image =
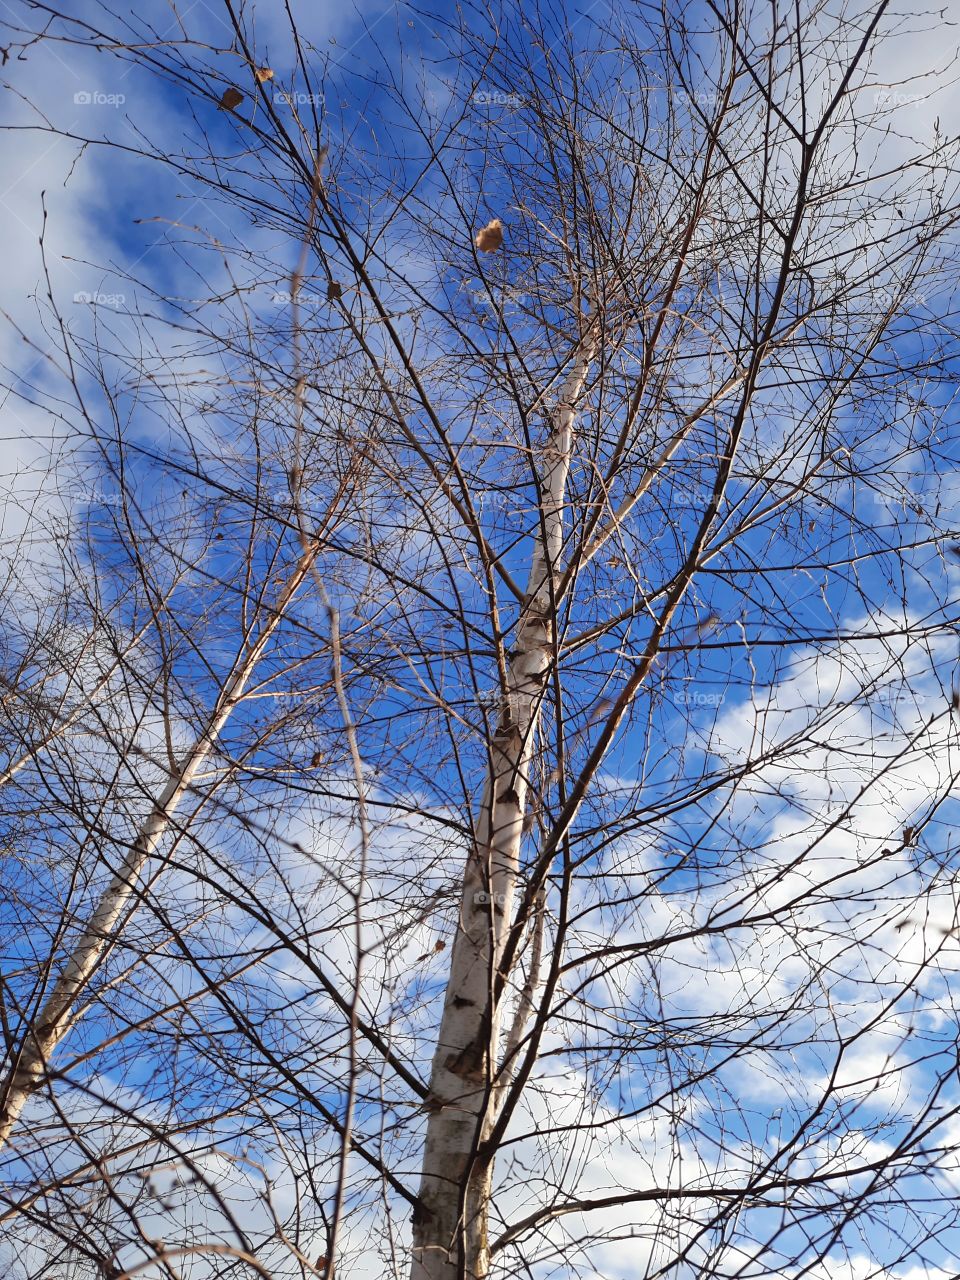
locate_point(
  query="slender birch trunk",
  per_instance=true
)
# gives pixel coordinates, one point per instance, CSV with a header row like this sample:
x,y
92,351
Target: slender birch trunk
x,y
56,1016
450,1232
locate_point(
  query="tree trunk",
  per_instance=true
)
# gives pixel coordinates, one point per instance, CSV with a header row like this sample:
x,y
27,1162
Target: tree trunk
x,y
57,1014
450,1231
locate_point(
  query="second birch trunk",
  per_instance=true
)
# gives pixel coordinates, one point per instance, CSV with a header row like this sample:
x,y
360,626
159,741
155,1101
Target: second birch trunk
x,y
53,1021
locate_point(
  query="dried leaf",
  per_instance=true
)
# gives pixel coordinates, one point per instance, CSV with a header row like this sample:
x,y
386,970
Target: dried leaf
x,y
490,238
439,945
231,98
321,1261
263,74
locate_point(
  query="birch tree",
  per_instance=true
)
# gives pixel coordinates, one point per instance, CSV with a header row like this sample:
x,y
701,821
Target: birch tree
x,y
604,364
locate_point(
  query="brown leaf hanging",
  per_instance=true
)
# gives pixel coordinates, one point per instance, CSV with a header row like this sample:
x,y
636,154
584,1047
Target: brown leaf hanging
x,y
231,98
490,238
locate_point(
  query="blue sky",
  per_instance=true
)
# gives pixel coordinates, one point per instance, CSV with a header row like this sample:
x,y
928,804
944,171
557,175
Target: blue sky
x,y
136,236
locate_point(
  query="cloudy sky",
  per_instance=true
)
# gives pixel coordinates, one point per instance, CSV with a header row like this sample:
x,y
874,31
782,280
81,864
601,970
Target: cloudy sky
x,y
95,234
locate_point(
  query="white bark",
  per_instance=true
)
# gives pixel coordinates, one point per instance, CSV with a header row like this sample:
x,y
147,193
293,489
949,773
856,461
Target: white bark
x,y
58,1011
450,1232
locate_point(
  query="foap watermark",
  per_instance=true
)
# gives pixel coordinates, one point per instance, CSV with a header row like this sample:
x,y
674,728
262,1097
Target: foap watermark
x,y
894,98
896,295
697,698
295,98
695,97
698,499
507,297
513,703
97,98
483,899
284,298
495,98
100,299
899,700
95,497
488,500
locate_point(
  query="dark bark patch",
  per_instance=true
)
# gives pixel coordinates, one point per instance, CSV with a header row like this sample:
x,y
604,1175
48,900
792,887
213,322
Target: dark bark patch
x,y
421,1214
470,1063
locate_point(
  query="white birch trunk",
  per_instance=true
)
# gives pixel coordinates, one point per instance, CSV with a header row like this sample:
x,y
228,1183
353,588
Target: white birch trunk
x,y
450,1234
57,1014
